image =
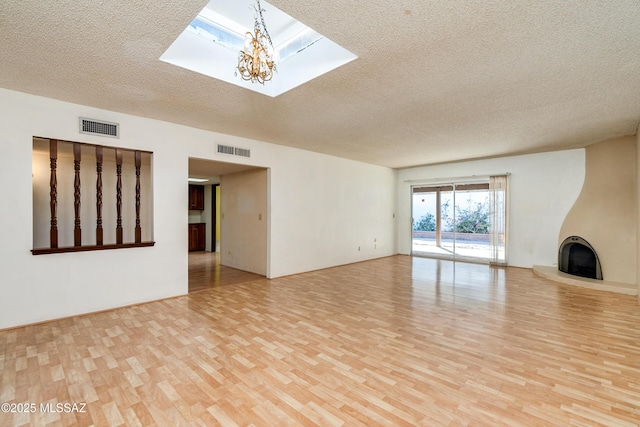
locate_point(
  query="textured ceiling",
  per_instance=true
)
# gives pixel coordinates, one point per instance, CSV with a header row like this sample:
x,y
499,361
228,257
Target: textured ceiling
x,y
434,82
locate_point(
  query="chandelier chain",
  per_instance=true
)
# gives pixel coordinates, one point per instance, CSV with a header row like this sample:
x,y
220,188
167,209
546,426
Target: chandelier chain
x,y
263,24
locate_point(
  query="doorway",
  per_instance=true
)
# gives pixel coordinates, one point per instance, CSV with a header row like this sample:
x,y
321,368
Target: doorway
x,y
230,237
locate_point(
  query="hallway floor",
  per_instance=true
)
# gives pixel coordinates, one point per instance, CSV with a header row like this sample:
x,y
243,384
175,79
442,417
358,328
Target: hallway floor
x,y
206,272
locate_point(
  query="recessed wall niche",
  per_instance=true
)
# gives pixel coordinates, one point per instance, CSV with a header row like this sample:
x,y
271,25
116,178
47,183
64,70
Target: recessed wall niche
x,y
90,197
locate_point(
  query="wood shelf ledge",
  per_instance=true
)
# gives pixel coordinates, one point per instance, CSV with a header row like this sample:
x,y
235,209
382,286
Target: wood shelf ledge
x,y
44,251
552,273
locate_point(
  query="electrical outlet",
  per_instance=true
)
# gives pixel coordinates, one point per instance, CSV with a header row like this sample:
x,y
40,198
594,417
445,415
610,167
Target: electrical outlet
x,y
259,217
358,248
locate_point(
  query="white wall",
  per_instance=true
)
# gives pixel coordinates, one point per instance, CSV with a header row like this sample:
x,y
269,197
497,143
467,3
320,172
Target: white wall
x,y
244,218
638,210
322,209
542,189
332,211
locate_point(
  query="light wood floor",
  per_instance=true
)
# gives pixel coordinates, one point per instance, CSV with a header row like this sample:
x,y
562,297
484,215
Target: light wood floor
x,y
398,341
205,272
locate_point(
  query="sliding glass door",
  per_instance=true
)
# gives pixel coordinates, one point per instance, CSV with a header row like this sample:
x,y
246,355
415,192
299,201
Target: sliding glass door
x,y
465,221
428,220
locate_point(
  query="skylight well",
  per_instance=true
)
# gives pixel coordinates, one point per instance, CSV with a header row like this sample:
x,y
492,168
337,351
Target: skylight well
x,y
216,33
212,42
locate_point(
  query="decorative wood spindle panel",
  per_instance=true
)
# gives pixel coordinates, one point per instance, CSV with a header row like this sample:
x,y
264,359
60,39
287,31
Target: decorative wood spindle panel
x,y
77,230
56,159
138,162
99,229
53,193
119,231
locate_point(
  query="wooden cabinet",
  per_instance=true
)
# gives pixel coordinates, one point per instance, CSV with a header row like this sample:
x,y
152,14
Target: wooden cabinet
x,y
196,197
197,231
197,237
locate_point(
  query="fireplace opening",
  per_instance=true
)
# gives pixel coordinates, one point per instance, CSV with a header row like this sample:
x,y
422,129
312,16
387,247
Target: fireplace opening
x,y
577,257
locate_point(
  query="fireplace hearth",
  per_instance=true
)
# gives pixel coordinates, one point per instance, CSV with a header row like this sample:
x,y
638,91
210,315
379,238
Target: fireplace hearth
x,y
577,257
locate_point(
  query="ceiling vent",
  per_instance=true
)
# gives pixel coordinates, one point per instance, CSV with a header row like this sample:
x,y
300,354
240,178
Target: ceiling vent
x,y
95,127
233,151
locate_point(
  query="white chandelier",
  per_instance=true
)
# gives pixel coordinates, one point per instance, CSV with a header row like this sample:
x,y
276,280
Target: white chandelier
x,y
256,62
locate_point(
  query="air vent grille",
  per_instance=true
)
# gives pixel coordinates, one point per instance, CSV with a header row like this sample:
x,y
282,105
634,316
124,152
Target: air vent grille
x,y
95,127
225,149
242,152
234,151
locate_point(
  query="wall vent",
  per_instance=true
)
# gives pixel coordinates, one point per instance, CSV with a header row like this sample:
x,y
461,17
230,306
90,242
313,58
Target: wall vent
x,y
225,149
234,151
242,152
96,127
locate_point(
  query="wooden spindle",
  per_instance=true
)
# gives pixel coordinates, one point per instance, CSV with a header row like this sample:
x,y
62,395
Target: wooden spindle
x,y
99,230
77,230
119,237
138,161
122,161
53,193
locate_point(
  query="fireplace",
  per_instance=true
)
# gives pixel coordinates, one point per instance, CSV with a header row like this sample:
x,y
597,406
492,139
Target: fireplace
x,y
577,257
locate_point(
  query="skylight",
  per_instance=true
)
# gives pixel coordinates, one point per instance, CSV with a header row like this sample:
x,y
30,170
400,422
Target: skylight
x,y
211,43
216,33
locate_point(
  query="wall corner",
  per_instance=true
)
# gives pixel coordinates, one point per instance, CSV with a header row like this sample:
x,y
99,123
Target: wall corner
x,y
638,210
